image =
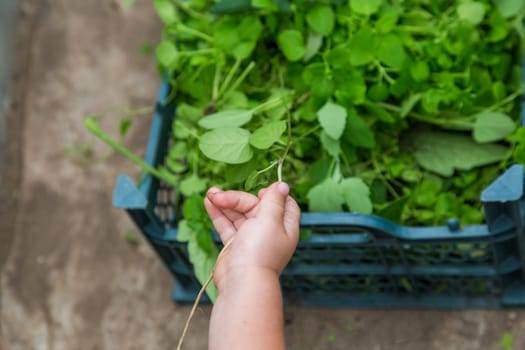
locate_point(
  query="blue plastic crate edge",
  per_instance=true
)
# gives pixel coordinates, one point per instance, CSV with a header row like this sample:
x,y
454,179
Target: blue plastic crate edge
x,y
501,199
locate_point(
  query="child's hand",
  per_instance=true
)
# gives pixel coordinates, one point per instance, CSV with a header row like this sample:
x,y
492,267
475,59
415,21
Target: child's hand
x,y
265,228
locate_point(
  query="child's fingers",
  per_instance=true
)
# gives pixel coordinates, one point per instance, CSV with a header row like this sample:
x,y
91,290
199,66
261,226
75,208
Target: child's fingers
x,y
292,218
222,224
235,217
261,193
273,201
241,202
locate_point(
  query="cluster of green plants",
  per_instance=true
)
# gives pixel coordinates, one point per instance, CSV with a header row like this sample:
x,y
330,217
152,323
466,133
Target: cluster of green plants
x,y
404,109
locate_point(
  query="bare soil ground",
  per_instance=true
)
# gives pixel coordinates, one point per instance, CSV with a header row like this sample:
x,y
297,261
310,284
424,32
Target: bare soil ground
x,y
69,280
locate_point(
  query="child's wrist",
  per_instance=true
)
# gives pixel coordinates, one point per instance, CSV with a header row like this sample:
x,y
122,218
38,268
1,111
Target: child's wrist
x,y
236,277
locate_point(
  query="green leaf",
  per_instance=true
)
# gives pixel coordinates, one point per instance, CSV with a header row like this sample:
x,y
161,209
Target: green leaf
x,y
225,35
312,72
472,12
387,22
313,44
131,236
378,92
390,51
226,119
323,87
444,152
250,180
124,126
167,54
408,104
228,145
192,184
420,71
507,341
362,46
509,8
291,43
339,56
321,18
358,133
379,112
267,135
356,195
492,126
194,210
250,28
265,5
178,151
243,50
235,100
350,87
189,112
166,11
393,211
203,262
176,166
365,7
184,233
332,146
237,39
332,118
237,173
325,197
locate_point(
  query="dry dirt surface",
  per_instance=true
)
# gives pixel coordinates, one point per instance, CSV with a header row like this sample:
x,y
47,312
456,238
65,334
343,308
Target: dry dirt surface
x,y
69,280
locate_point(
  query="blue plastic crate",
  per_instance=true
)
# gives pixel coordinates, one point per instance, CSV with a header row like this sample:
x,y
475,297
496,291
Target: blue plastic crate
x,y
354,260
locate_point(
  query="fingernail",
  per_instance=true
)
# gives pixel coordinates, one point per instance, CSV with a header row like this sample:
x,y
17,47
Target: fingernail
x,y
212,191
283,188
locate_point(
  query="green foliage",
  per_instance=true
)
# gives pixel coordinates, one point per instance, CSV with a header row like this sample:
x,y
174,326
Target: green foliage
x,y
228,145
507,341
291,43
130,236
405,111
492,126
195,231
445,152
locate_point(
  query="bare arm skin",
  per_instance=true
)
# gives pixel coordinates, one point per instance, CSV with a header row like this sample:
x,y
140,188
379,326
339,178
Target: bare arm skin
x,y
248,313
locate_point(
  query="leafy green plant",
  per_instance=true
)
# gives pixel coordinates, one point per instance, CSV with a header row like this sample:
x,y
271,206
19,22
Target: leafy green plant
x,y
402,109
507,341
397,96
130,236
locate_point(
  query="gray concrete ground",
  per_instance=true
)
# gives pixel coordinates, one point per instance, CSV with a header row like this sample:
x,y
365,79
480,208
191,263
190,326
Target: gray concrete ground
x,y
69,280
7,25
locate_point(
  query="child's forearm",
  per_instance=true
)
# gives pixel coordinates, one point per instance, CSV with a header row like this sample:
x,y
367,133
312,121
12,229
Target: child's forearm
x,y
248,313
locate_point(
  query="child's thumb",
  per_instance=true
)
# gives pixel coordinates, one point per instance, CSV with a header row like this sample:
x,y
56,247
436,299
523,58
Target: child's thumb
x,y
274,200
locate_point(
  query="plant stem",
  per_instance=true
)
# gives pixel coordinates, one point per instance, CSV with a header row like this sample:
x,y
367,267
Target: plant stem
x,y
310,131
92,126
198,52
184,6
451,124
229,77
215,91
383,73
188,30
419,30
199,296
271,104
240,79
272,164
506,100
